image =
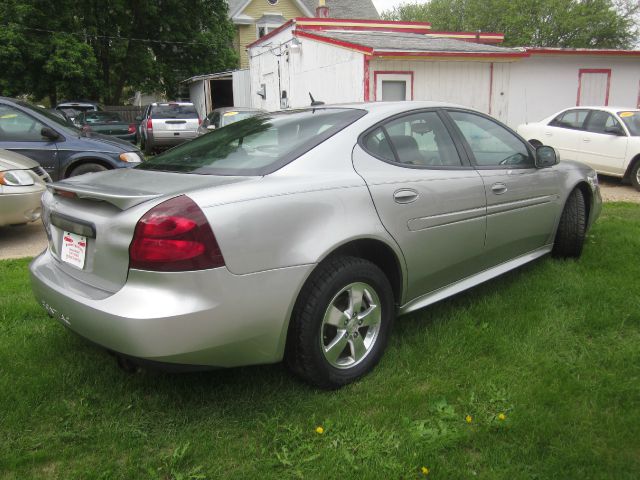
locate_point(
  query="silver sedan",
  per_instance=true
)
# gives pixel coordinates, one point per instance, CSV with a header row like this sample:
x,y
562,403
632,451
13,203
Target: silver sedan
x,y
301,235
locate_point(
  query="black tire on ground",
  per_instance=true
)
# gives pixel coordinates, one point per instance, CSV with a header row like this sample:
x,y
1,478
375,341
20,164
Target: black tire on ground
x,y
535,143
87,168
147,146
635,176
572,227
309,335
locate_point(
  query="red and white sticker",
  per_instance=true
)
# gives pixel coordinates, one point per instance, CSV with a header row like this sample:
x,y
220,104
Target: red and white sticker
x,y
74,248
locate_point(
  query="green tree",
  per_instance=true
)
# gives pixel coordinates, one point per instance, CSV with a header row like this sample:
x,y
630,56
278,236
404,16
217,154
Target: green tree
x,y
537,23
106,49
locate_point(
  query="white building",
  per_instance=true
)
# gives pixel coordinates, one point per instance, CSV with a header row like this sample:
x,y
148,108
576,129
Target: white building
x,y
339,61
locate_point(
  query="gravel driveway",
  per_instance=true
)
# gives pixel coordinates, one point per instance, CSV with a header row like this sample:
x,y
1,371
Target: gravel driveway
x,y
30,240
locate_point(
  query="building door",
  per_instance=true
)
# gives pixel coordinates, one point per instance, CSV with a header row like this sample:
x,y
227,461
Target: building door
x,y
593,86
393,86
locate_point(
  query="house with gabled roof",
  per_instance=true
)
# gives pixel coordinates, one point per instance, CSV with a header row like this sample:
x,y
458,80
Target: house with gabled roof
x,y
256,18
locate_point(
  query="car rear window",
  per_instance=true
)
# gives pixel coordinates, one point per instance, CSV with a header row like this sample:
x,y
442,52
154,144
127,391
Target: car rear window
x,y
173,110
255,146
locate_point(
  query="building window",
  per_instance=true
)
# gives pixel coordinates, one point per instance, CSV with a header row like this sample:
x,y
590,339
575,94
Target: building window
x,y
266,29
393,85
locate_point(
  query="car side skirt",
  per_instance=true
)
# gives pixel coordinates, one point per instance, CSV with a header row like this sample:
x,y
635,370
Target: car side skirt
x,y
472,281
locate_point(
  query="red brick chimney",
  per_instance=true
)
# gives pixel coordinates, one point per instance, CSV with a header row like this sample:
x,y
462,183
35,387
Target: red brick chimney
x,y
322,11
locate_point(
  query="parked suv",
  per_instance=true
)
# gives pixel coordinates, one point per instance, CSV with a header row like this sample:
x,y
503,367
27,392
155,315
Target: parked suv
x,y
60,148
167,125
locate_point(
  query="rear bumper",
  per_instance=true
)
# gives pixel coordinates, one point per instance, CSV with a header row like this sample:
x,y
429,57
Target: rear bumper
x,y
20,208
206,318
171,138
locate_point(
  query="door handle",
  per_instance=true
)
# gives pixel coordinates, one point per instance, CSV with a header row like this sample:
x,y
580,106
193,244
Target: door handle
x,y
498,188
586,140
548,134
406,195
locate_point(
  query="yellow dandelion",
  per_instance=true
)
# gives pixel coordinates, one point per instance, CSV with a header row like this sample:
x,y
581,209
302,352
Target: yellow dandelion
x,y
319,430
502,417
424,470
468,419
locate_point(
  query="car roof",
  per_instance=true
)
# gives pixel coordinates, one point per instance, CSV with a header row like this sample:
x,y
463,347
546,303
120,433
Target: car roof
x,y
237,109
162,104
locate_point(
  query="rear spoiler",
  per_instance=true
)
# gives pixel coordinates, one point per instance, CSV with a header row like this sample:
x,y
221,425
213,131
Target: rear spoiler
x,y
123,198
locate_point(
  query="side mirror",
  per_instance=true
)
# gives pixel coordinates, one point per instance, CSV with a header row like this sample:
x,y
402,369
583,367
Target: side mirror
x,y
614,130
139,118
49,133
211,127
546,156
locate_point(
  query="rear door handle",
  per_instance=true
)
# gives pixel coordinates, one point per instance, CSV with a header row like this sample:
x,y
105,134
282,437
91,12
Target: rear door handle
x,y
405,195
498,188
586,140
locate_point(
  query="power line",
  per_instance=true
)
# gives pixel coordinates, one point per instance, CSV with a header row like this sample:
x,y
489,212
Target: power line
x,y
147,40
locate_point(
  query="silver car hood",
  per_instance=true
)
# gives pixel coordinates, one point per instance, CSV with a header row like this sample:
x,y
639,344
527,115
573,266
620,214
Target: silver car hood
x,y
14,161
125,188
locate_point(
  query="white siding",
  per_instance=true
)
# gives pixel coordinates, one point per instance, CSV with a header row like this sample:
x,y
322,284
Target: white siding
x,y
543,84
463,83
241,88
198,94
331,74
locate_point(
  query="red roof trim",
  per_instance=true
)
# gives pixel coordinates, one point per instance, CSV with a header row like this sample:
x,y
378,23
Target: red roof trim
x,y
339,43
451,54
364,22
368,28
583,51
270,34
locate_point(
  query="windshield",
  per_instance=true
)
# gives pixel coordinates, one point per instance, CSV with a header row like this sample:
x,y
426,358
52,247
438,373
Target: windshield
x,y
173,110
255,146
631,119
102,117
232,117
50,116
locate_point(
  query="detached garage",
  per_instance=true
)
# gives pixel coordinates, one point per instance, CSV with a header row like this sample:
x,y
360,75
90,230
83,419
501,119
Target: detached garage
x,y
337,60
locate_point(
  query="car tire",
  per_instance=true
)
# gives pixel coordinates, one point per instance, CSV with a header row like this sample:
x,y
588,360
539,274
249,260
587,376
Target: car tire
x,y
147,146
87,168
635,176
572,227
324,316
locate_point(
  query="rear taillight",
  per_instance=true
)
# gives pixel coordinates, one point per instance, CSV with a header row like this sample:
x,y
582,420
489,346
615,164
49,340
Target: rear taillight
x,y
149,124
132,128
174,236
199,121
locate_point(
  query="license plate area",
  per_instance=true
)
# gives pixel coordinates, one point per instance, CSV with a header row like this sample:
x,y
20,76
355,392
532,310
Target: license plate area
x,y
73,249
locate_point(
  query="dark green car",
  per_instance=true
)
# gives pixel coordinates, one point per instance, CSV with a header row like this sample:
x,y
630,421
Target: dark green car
x,y
106,123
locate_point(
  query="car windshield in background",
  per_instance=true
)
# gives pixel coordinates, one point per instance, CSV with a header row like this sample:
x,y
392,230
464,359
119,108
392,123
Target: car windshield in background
x,y
173,111
257,145
50,116
631,119
102,117
232,117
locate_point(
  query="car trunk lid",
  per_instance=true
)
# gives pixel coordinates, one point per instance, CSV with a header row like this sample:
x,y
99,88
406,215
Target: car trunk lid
x,y
101,210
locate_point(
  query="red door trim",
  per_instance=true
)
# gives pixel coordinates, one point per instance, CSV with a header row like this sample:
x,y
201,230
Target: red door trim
x,y
392,72
582,71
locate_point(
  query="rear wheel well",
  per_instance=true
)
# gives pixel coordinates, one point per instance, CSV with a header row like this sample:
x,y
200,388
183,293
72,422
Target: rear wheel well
x,y
379,254
84,161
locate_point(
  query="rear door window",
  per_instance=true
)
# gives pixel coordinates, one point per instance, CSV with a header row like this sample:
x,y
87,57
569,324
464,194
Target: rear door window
x,y
572,119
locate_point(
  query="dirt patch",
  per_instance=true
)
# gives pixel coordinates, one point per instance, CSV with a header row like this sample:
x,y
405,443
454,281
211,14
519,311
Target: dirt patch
x,y
613,190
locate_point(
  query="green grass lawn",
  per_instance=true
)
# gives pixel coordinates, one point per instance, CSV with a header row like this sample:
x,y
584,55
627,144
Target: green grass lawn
x,y
554,347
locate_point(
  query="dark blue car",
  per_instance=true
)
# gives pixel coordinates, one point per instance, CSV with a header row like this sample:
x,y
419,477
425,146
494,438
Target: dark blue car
x,y
62,149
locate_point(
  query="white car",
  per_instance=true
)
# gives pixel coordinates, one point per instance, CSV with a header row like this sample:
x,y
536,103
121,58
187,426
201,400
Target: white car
x,y
605,138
